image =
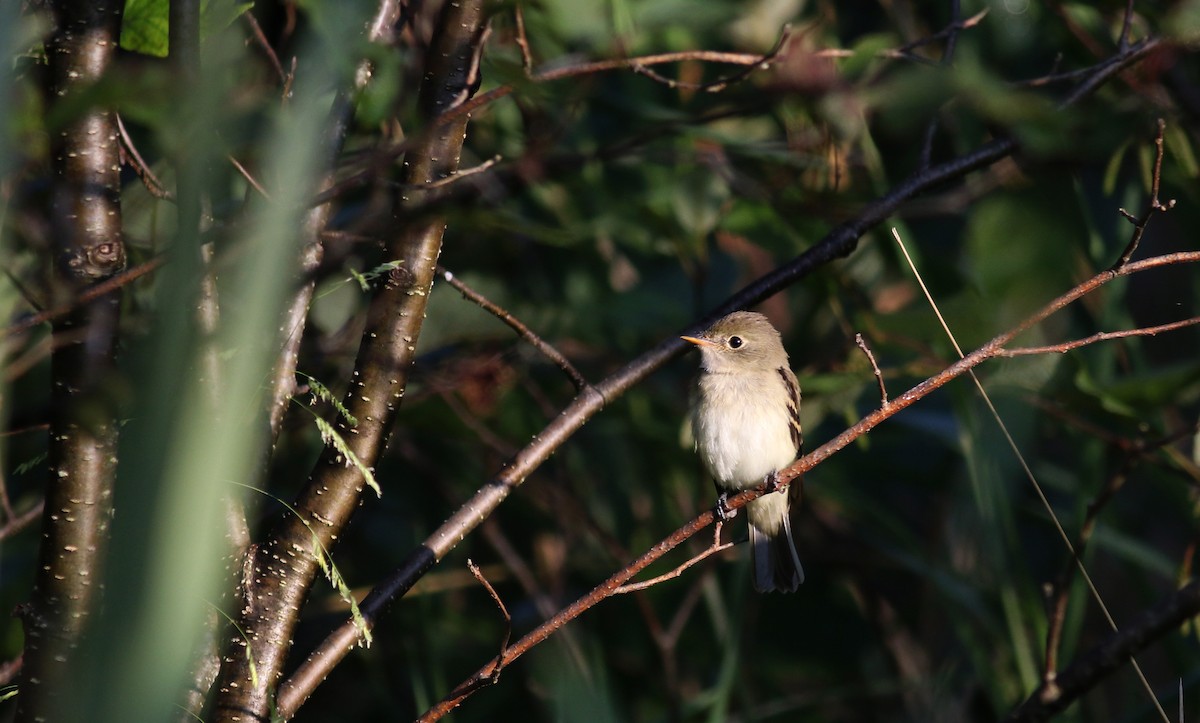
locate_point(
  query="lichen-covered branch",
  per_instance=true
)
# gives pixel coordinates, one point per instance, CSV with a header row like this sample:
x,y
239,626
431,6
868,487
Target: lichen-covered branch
x,y
86,223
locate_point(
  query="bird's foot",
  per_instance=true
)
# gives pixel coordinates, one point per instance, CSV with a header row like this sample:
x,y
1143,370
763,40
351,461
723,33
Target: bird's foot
x,y
722,509
772,483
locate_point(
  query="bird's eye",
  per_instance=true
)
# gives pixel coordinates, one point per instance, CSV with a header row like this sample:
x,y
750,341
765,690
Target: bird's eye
x,y
735,342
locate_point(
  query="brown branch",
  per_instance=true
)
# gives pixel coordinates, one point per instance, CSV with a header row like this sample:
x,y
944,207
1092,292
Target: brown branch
x,y
261,39
249,178
1100,336
515,324
523,40
862,344
459,175
88,294
18,522
1116,649
1154,206
149,180
503,611
720,84
1060,591
1057,610
838,243
964,365
708,552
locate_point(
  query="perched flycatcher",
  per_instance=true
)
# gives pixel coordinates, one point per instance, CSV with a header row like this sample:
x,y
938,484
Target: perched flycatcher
x,y
746,423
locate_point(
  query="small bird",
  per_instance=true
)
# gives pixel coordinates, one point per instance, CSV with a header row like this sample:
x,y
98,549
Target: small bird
x,y
746,423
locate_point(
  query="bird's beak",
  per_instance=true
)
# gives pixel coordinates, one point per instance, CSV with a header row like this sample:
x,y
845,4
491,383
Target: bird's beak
x,y
698,341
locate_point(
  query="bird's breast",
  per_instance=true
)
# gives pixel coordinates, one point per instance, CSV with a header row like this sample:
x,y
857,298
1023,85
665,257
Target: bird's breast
x,y
741,426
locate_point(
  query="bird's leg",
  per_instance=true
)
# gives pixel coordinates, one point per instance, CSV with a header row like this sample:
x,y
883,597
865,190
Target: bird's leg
x,y
722,509
772,483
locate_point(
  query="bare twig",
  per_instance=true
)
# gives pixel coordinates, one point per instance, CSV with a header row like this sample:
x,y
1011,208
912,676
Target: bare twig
x,y
720,84
15,524
949,33
261,39
1099,336
515,324
91,293
523,40
503,611
153,185
249,178
1126,25
862,344
1057,609
1154,205
707,553
459,175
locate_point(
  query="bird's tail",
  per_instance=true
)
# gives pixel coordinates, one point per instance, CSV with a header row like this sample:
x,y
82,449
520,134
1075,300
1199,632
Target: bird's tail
x,y
776,564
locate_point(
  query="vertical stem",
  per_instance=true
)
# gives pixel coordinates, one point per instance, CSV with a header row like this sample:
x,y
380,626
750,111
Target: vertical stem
x,y
86,227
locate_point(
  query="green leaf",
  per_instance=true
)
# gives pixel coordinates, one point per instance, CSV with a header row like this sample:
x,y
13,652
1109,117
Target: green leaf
x,y
145,25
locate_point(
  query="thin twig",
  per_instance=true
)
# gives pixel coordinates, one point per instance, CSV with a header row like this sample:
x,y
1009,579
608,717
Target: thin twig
x,y
720,84
503,611
1126,25
523,40
459,175
1100,336
1057,612
1154,206
21,521
515,324
261,38
89,294
950,33
153,185
249,178
711,550
862,344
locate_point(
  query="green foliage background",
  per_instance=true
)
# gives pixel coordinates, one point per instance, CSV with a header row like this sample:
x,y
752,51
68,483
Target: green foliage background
x,y
621,211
